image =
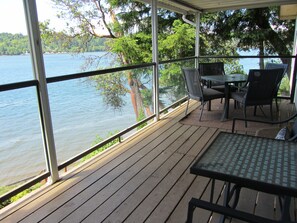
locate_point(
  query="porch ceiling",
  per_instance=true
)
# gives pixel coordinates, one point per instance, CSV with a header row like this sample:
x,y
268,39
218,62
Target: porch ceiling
x,y
192,6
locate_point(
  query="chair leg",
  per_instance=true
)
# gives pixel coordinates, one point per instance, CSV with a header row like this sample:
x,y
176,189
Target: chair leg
x,y
244,115
203,103
261,109
276,104
187,107
271,112
209,105
255,110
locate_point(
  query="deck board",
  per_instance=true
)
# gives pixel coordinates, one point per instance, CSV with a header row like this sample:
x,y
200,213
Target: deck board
x,y
110,182
145,178
203,215
196,189
86,176
265,205
134,183
247,202
135,164
142,192
81,175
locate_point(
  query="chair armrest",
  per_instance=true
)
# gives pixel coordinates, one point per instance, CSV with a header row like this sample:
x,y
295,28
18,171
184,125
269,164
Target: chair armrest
x,y
240,88
264,122
293,138
268,132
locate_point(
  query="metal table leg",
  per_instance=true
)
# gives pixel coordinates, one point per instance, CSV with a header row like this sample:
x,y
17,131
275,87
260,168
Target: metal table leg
x,y
226,200
285,208
226,105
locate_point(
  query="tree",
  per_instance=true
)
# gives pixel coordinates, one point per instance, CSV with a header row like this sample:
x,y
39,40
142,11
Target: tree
x,y
127,25
59,41
255,29
13,44
180,42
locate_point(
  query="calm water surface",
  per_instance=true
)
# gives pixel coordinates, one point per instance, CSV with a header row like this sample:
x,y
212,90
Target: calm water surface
x,y
78,114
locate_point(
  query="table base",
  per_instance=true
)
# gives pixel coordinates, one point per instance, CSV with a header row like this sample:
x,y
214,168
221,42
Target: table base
x,y
227,212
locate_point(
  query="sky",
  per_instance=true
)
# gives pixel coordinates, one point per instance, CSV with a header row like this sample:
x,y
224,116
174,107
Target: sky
x,y
12,17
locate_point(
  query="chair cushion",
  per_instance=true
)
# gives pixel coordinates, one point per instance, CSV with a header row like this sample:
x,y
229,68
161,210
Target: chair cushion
x,y
220,88
293,131
282,134
210,94
238,96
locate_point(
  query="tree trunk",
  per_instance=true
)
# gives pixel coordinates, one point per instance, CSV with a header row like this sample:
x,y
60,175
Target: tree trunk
x,y
261,53
135,94
274,39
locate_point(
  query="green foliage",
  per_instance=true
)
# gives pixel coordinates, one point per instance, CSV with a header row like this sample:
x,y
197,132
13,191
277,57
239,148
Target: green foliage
x,y
284,88
147,96
172,81
129,33
112,89
53,42
25,192
5,203
179,43
255,29
101,149
141,116
13,44
133,49
5,189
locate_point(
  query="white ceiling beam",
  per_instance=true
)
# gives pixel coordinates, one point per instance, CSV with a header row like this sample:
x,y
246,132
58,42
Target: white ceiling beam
x,y
169,7
191,7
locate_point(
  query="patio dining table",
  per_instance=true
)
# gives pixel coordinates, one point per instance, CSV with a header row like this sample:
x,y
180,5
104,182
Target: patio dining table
x,y
257,163
227,80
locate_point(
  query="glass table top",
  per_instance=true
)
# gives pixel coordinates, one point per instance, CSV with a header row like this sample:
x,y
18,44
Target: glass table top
x,y
230,78
251,159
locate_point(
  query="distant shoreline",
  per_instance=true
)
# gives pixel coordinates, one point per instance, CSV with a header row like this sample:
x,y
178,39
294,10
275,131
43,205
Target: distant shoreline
x,y
52,53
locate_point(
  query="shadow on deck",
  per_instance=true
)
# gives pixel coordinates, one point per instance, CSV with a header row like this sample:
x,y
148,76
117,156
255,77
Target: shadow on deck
x,y
143,179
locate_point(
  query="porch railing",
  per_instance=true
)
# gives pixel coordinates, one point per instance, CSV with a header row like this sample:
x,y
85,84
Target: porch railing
x,y
193,60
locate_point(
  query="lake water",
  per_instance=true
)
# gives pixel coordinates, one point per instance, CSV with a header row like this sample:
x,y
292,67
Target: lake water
x,y
79,114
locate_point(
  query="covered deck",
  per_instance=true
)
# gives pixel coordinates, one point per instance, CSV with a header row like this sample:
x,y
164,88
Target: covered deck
x,y
145,178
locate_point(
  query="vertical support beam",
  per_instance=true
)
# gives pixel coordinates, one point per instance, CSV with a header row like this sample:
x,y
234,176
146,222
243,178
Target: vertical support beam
x,y
295,38
155,58
293,92
39,73
197,40
294,70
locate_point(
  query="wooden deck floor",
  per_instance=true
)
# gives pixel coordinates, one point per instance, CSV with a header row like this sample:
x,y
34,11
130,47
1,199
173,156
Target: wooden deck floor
x,y
144,179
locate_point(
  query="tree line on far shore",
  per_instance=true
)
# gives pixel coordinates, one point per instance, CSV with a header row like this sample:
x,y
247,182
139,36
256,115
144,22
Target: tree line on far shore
x,y
18,44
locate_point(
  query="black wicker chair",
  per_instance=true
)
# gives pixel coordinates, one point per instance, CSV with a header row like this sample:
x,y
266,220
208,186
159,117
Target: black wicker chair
x,y
273,127
261,87
196,91
216,68
270,66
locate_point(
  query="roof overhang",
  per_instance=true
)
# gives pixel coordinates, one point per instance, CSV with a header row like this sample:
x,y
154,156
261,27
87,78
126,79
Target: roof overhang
x,y
288,11
193,6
